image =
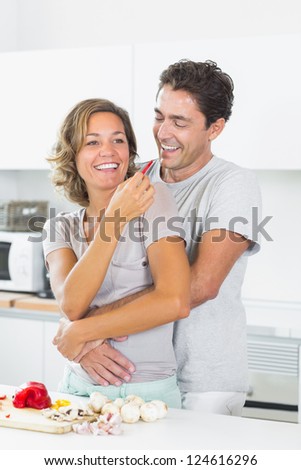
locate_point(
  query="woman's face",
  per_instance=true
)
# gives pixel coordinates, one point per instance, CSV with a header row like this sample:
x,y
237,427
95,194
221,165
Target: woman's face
x,y
103,160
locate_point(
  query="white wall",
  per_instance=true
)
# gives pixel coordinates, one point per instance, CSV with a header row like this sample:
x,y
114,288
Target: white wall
x,y
274,273
8,25
8,185
73,23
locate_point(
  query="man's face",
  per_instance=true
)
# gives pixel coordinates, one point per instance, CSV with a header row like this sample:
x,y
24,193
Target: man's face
x,y
180,132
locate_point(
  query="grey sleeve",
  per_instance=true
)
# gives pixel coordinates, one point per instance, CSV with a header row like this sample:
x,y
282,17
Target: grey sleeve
x,y
56,234
236,206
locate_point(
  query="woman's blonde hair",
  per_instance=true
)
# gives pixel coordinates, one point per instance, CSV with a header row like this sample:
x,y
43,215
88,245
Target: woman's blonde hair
x,y
70,140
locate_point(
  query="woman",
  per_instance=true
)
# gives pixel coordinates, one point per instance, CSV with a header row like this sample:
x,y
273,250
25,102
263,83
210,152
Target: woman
x,y
121,242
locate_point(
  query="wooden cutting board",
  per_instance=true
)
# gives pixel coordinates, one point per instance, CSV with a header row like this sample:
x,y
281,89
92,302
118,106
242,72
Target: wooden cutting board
x,y
31,419
35,303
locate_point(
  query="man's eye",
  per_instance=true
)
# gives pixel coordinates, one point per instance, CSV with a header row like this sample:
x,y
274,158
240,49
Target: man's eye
x,y
159,118
179,124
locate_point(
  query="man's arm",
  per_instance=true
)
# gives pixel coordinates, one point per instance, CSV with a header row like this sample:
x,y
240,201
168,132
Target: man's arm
x,y
169,301
118,303
217,254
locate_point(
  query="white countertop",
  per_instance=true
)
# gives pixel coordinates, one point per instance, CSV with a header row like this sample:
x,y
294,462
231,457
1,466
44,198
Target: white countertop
x,y
180,430
259,312
273,314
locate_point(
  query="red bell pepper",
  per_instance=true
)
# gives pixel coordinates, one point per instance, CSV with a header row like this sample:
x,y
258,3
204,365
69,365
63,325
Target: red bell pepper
x,y
32,395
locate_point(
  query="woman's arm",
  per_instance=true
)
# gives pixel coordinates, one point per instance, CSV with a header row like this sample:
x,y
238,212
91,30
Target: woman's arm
x,y
169,301
76,282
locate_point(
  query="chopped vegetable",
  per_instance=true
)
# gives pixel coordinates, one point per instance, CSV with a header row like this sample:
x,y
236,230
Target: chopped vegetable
x,y
32,395
59,403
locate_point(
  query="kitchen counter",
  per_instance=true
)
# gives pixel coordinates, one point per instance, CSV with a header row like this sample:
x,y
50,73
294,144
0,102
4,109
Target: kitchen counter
x,y
28,306
260,313
180,430
27,302
273,314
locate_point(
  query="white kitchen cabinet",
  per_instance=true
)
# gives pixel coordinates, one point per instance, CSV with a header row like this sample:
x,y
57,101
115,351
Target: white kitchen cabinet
x,y
54,362
26,350
263,131
38,88
21,350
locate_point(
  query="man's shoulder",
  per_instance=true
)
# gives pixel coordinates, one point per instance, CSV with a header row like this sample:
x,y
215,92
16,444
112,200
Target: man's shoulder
x,y
227,169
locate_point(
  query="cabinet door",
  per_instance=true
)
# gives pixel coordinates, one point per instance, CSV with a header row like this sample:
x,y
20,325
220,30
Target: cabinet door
x,y
38,88
21,351
54,362
263,131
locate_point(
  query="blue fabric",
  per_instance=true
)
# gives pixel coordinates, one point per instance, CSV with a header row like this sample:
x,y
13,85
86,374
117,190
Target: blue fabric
x,y
166,389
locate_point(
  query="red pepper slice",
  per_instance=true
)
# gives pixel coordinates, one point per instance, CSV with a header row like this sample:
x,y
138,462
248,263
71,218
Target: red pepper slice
x,y
2,397
32,395
149,164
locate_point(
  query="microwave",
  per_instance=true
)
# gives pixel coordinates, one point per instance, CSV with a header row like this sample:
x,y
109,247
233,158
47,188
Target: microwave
x,y
21,262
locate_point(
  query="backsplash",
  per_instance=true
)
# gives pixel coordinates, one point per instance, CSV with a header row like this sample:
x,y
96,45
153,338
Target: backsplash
x,y
31,185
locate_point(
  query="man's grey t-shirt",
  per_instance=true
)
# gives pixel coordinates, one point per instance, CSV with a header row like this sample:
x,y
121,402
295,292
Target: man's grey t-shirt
x,y
129,272
210,344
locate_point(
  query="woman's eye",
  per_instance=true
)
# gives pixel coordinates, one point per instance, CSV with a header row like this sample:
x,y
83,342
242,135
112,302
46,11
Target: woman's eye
x,y
118,141
92,142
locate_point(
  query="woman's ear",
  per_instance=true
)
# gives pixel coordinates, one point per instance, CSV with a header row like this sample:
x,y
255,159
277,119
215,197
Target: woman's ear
x,y
216,128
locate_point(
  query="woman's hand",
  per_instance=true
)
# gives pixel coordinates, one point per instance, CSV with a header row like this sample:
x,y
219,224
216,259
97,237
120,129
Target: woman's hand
x,y
67,339
131,198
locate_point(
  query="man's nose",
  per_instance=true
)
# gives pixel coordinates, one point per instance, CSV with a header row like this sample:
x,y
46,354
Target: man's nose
x,y
164,130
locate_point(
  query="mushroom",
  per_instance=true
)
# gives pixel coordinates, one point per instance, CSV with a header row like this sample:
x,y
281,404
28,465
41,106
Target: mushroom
x,y
68,413
134,400
110,408
119,402
162,408
97,400
130,413
149,412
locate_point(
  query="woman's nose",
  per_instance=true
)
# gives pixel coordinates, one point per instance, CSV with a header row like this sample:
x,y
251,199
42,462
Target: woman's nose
x,y
106,149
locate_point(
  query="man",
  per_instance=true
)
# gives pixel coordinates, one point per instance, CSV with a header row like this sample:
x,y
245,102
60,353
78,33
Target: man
x,y
217,200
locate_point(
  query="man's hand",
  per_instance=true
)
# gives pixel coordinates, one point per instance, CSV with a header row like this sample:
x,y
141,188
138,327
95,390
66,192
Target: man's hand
x,y
107,366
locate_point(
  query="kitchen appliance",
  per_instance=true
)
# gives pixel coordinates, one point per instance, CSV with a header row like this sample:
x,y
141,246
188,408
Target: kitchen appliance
x,y
22,216
274,374
21,262
46,293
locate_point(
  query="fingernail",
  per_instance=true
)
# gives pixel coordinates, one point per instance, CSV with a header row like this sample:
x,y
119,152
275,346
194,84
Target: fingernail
x,y
131,369
105,384
127,378
118,383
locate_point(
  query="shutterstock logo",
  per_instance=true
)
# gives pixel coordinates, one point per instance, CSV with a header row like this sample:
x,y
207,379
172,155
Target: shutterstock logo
x,y
254,227
141,230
